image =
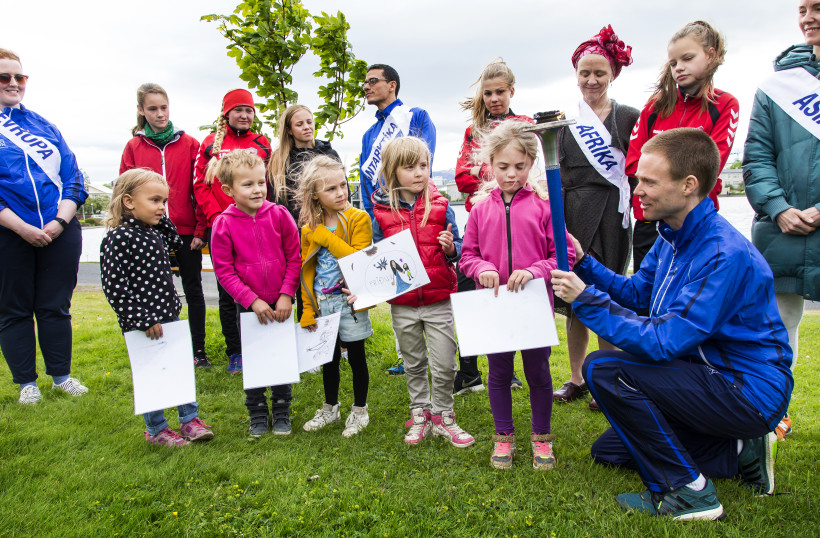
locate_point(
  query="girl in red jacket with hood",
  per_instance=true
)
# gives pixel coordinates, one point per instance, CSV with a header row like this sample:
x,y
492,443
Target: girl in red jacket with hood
x,y
233,131
168,151
685,96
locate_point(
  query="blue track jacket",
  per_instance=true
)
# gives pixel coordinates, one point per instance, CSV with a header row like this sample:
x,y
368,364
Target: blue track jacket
x,y
710,294
24,186
420,125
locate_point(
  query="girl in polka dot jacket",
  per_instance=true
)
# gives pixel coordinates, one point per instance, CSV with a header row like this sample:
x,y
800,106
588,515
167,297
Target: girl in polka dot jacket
x,y
137,281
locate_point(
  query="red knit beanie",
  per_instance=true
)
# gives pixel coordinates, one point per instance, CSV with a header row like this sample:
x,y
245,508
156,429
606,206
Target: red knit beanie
x,y
235,98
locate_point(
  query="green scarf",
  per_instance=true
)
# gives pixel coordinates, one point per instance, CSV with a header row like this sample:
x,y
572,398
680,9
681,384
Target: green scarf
x,y
162,137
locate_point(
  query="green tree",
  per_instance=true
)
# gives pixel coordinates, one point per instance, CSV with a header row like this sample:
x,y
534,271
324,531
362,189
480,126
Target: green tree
x,y
735,165
267,38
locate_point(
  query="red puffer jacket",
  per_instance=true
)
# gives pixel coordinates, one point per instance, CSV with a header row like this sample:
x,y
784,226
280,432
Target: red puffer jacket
x,y
718,121
174,162
442,273
211,197
466,182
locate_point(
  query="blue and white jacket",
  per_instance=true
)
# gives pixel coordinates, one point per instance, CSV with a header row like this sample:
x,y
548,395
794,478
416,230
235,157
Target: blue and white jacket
x,y
421,126
25,186
710,296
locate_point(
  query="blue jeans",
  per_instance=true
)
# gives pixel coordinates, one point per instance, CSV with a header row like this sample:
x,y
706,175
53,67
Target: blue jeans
x,y
155,420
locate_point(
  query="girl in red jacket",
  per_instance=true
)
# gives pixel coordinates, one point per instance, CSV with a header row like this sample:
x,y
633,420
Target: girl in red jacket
x,y
490,106
685,96
423,318
509,241
168,151
255,249
233,131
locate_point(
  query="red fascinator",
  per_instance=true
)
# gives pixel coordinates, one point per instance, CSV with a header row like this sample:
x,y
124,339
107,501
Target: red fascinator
x,y
607,44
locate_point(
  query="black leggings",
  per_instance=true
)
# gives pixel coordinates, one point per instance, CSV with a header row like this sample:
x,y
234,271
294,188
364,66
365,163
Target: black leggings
x,y
358,366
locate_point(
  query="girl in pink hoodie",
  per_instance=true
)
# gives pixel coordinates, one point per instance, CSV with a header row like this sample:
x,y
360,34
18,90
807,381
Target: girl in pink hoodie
x,y
255,251
508,240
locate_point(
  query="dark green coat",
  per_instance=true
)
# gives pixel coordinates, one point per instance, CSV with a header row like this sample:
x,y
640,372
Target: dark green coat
x,y
781,169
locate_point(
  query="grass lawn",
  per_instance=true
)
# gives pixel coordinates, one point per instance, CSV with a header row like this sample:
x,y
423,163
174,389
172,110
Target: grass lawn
x,y
79,466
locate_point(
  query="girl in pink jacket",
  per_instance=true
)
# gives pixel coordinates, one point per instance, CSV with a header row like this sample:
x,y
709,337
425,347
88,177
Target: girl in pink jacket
x,y
508,240
255,251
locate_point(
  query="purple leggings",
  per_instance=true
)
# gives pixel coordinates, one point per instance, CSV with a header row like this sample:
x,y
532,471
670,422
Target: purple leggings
x,y
537,372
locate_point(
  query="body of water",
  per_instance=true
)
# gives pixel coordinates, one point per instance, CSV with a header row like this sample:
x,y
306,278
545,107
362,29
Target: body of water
x,y
735,209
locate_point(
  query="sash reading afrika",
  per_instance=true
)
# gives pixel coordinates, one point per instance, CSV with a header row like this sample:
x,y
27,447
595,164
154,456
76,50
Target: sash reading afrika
x,y
396,125
596,143
797,92
41,151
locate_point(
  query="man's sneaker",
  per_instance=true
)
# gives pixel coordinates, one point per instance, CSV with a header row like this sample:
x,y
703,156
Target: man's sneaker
x,y
542,457
328,414
466,386
444,425
167,437
683,503
232,360
280,417
421,426
398,369
503,451
755,463
201,360
357,420
784,428
71,386
30,394
196,430
516,383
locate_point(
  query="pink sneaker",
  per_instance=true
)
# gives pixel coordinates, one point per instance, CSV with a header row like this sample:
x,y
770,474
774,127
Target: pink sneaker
x,y
196,430
167,437
421,426
503,451
445,426
542,457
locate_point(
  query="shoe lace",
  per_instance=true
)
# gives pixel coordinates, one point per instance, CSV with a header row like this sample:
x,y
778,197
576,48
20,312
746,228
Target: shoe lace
x,y
502,449
542,448
449,424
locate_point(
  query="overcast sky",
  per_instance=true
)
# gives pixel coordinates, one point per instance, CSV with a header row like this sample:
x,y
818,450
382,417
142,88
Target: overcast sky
x,y
86,58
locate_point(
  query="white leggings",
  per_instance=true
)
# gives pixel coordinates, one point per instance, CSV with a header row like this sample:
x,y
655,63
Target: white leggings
x,y
790,306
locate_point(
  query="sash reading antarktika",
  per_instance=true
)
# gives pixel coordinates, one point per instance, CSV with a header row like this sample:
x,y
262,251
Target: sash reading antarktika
x,y
596,143
396,125
41,151
797,92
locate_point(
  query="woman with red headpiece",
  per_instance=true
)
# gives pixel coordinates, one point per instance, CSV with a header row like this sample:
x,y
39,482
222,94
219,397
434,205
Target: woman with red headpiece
x,y
595,185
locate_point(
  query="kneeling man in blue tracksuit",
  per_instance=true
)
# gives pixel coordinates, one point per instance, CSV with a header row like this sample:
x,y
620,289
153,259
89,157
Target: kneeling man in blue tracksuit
x,y
704,379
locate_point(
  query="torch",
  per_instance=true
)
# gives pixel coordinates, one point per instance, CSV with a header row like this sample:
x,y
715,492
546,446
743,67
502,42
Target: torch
x,y
546,127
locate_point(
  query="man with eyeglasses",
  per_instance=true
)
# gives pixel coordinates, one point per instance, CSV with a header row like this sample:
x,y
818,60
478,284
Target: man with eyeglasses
x,y
394,119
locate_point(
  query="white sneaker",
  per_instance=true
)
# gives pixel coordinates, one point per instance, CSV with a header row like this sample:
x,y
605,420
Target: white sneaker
x,y
328,414
30,394
356,421
71,386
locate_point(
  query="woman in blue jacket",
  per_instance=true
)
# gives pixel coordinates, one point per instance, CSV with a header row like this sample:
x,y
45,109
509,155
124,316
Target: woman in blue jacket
x,y
781,168
40,240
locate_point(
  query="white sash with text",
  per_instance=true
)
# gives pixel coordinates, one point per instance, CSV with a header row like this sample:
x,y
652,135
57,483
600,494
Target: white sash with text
x,y
396,125
40,150
596,143
797,92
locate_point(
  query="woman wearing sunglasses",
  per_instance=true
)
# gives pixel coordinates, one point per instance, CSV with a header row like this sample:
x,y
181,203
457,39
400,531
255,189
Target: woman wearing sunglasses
x,y
40,240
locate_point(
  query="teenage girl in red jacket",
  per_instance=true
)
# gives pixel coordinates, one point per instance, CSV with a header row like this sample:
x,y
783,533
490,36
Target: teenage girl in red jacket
x,y
233,131
159,146
685,96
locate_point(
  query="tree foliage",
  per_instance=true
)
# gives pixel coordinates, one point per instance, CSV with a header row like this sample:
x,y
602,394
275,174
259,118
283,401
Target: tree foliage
x,y
267,38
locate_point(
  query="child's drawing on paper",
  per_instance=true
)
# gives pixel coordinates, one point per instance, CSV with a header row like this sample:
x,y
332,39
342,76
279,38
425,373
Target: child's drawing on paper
x,y
399,276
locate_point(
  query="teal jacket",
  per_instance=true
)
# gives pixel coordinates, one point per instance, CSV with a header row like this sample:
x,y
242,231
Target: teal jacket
x,y
781,169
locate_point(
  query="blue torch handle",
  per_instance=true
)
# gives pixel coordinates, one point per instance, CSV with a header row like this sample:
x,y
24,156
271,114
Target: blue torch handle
x,y
557,210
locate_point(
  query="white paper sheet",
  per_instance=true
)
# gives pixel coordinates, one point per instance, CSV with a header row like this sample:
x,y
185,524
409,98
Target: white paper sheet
x,y
509,322
316,348
162,370
268,352
387,269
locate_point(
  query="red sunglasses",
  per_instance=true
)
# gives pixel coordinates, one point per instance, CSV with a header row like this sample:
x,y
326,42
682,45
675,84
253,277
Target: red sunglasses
x,y
5,78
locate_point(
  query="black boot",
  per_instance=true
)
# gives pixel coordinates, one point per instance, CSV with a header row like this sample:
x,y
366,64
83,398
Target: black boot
x,y
281,417
258,414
